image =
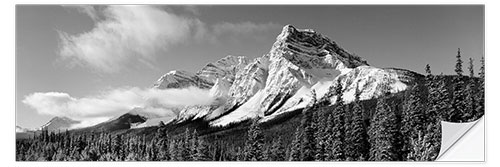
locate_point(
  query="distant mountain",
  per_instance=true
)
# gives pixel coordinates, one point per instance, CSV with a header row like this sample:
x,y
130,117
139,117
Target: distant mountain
x,y
135,118
20,129
24,133
124,121
59,123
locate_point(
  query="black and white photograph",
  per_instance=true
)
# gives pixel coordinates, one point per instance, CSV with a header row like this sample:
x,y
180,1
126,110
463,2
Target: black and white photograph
x,y
330,83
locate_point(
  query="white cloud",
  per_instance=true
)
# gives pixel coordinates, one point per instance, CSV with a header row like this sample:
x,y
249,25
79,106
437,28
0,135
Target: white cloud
x,y
125,34
95,109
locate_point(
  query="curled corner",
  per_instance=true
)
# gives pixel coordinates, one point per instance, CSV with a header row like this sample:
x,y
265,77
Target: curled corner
x,y
462,141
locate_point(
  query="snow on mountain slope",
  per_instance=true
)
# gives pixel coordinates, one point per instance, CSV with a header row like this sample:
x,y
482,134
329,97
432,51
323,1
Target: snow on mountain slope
x,y
244,112
226,67
220,88
181,79
59,123
368,80
247,82
219,91
153,122
20,129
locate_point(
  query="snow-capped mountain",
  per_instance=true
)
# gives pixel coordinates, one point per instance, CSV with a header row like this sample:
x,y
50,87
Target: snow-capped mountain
x,y
59,123
303,60
20,129
282,80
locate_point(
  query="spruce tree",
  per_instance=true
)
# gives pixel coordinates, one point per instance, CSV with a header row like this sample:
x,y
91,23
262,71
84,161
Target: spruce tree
x,y
382,132
358,134
320,136
307,143
471,68
458,65
329,138
338,152
428,69
413,118
202,153
255,143
470,95
458,103
480,95
438,108
421,149
277,150
296,146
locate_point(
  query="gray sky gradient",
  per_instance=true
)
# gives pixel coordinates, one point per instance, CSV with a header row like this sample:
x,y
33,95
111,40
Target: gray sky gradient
x,y
386,36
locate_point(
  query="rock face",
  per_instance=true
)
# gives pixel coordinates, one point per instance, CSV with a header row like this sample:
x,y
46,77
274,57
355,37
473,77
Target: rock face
x,y
59,123
226,67
181,79
281,81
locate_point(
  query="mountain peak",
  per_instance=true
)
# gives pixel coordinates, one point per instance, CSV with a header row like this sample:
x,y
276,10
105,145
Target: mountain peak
x,y
180,79
308,49
59,123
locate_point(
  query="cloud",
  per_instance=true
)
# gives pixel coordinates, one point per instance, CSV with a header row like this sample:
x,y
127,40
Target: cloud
x,y
95,109
124,35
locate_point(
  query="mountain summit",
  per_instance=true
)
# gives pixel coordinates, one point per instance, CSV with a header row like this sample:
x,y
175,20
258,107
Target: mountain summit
x,y
59,123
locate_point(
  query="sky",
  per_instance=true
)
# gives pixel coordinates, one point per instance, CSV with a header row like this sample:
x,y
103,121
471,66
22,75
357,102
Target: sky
x,y
91,63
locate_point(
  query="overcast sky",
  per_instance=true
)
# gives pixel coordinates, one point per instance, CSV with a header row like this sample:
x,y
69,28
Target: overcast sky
x,y
81,61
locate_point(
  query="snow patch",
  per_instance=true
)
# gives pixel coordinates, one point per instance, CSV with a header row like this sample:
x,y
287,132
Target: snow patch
x,y
246,111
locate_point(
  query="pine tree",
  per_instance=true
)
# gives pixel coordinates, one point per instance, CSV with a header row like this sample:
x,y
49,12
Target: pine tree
x,y
307,143
173,150
185,150
438,99
458,103
382,132
458,65
296,145
438,108
320,136
338,145
428,69
277,150
471,68
413,118
329,138
421,149
358,134
470,96
202,153
254,146
480,95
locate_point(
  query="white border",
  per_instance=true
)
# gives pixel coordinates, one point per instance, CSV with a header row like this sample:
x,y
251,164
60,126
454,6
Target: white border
x,y
7,87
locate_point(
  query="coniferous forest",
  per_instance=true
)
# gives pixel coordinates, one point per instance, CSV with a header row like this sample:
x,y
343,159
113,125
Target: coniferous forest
x,y
403,126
